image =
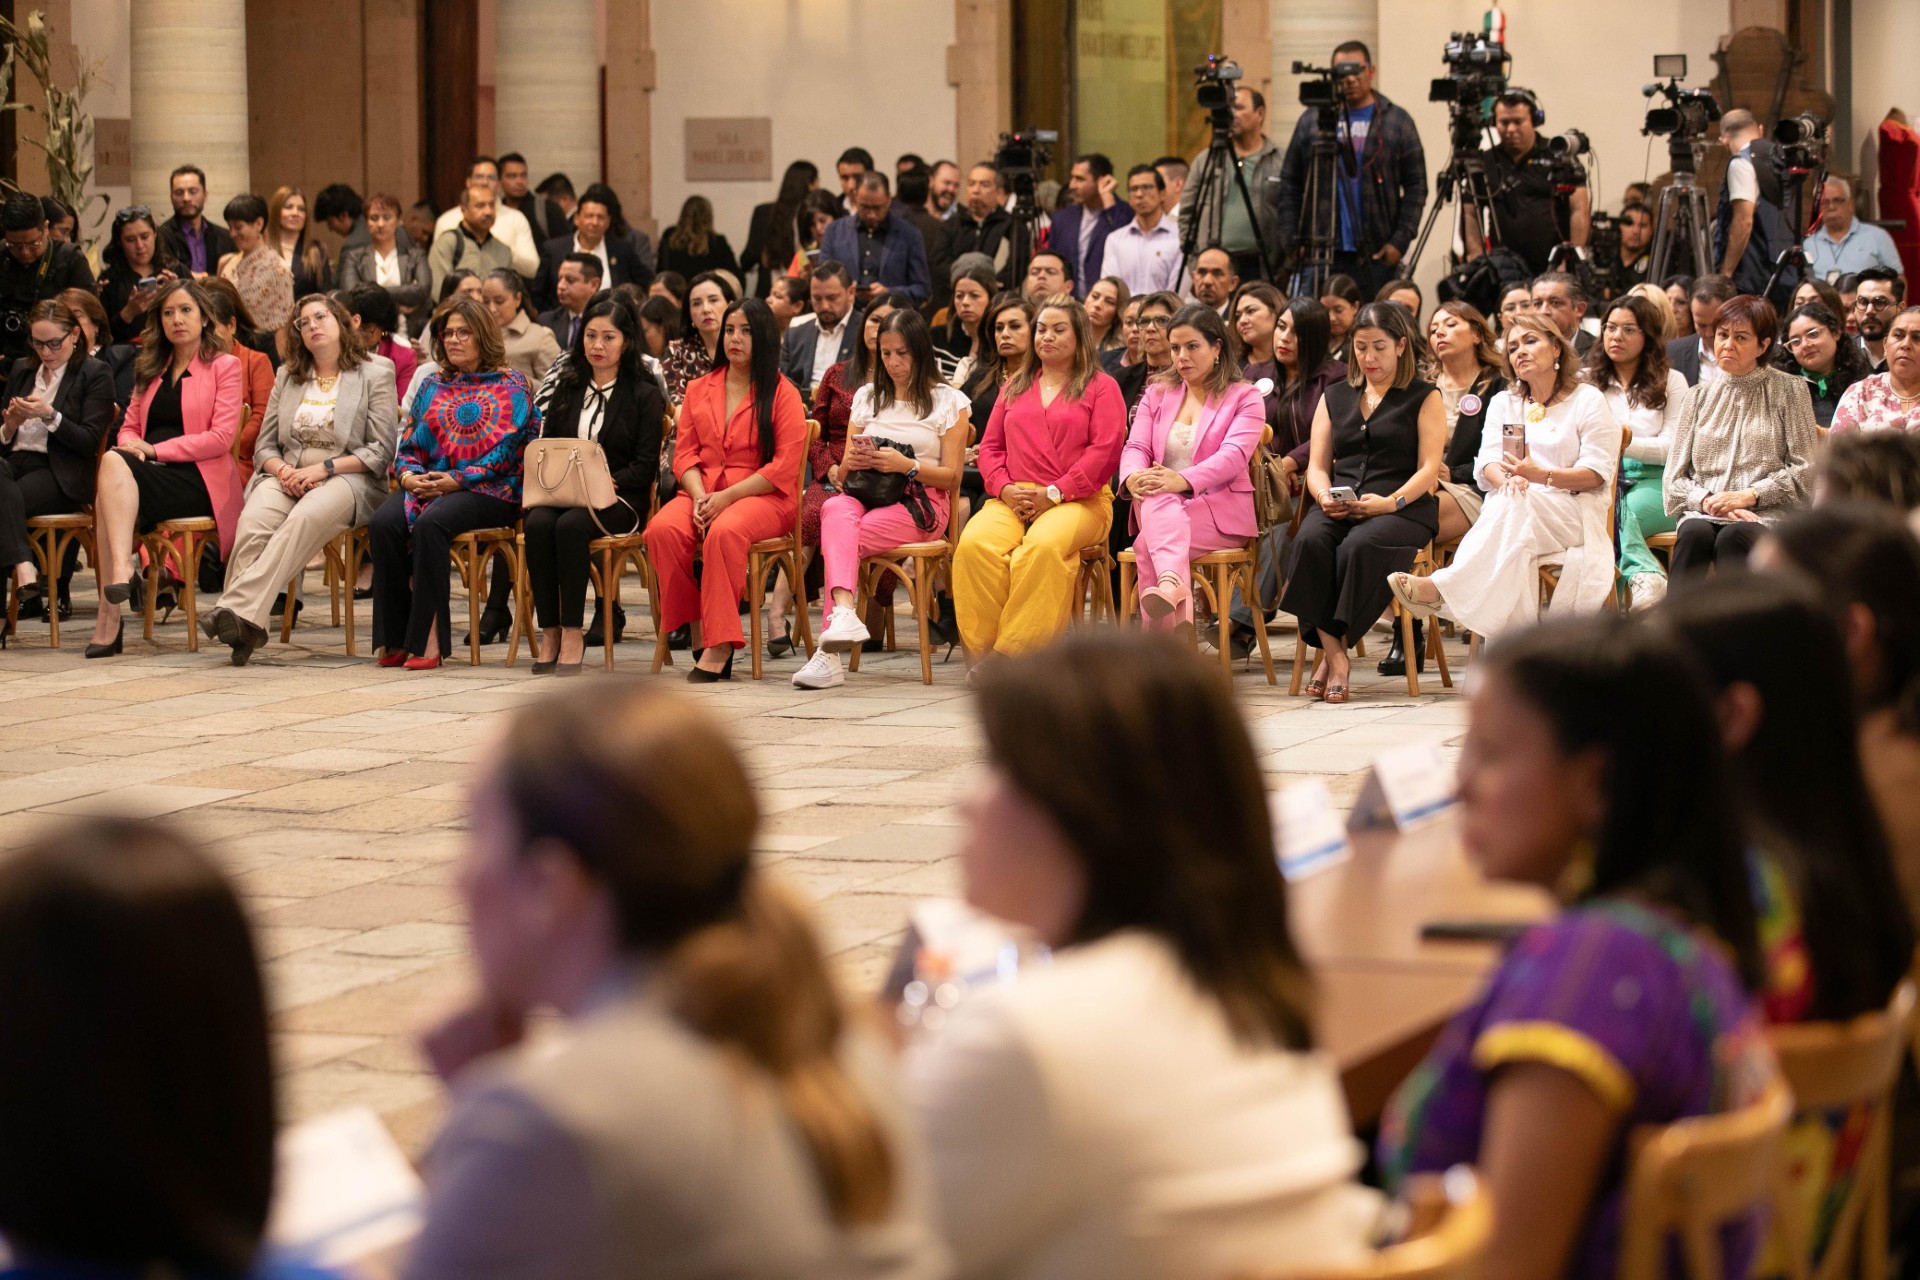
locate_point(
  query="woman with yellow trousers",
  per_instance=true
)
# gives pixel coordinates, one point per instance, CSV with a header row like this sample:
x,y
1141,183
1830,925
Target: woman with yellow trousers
x,y
1048,455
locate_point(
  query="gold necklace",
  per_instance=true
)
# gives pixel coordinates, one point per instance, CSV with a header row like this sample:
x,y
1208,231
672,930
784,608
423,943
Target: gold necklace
x,y
326,384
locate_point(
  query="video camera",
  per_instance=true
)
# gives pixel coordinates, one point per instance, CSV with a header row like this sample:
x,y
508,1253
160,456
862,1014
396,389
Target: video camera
x,y
1021,156
1801,143
1477,69
1322,89
1214,84
1689,113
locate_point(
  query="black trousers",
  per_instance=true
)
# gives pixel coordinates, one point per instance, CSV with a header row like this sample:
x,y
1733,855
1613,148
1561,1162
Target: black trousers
x,y
1700,544
1370,273
411,570
557,558
27,488
1337,582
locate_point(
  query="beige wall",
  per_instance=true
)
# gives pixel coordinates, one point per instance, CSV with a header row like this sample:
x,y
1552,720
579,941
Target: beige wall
x,y
1885,35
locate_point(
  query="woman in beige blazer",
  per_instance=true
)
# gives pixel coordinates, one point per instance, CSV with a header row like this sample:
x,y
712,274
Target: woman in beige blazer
x,y
531,347
326,442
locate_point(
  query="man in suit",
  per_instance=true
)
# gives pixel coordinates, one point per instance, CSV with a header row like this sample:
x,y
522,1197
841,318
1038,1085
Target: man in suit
x,y
817,342
575,284
624,257
1693,356
189,237
879,247
1079,232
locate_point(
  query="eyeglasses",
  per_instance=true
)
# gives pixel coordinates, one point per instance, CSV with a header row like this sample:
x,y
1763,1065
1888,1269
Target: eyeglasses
x,y
309,323
1158,322
54,345
1624,330
455,335
1795,343
1875,304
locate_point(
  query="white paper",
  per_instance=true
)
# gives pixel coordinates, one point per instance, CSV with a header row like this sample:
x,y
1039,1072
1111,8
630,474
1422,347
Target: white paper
x,y
1416,783
1307,829
345,1190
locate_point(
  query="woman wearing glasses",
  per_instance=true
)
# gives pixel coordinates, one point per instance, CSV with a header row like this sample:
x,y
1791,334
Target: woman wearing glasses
x,y
1814,344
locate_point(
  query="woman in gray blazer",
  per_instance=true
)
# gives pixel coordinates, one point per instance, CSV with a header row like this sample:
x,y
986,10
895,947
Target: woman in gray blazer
x,y
326,442
408,280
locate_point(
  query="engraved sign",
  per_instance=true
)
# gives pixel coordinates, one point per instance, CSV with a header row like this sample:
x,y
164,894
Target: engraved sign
x,y
113,152
735,150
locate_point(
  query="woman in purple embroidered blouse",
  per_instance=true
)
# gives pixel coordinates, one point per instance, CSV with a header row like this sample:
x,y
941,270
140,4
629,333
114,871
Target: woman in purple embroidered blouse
x,y
1592,768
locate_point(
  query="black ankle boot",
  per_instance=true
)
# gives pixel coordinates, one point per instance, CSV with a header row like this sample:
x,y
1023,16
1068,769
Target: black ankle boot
x,y
1395,663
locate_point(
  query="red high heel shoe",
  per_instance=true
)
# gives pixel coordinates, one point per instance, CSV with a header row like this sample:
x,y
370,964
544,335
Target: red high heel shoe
x,y
393,659
421,664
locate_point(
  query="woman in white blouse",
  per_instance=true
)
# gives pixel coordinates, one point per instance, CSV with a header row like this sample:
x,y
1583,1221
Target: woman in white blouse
x,y
1629,365
907,405
1150,1103
326,442
1546,455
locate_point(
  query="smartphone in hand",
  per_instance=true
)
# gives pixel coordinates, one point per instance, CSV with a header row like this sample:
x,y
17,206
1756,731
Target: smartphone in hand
x,y
1343,493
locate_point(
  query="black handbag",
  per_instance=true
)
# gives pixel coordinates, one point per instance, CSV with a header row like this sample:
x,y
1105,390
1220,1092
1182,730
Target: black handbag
x,y
876,489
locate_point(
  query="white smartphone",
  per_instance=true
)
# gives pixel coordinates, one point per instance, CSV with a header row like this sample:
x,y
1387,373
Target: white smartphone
x,y
1343,493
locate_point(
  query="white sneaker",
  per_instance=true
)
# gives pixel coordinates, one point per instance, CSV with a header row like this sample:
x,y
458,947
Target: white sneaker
x,y
844,632
1645,590
822,671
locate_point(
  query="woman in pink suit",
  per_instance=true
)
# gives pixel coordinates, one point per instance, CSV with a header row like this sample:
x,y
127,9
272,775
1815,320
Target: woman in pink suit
x,y
741,432
174,456
1186,464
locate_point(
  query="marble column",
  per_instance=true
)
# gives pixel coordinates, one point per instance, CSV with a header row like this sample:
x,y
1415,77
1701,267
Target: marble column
x,y
189,97
630,82
546,97
1306,31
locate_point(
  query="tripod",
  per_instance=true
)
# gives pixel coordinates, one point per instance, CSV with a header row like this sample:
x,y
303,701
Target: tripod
x,y
1320,198
1681,218
1025,232
1795,254
1462,183
1211,196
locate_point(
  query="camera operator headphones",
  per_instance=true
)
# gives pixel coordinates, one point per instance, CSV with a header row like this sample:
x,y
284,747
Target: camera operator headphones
x,y
1526,95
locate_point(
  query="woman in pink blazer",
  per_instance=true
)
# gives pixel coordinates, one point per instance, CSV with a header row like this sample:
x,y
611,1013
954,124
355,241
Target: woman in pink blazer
x,y
1186,462
174,456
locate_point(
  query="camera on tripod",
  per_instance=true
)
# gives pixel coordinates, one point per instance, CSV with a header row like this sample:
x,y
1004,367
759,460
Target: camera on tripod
x,y
1322,88
1802,142
1214,82
1477,69
1021,156
1689,113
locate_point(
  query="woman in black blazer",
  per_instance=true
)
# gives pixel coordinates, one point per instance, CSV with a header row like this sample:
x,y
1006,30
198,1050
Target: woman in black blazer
x,y
59,404
601,391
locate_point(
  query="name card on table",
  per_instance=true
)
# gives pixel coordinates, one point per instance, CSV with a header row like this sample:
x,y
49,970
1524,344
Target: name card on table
x,y
1404,788
1308,829
345,1192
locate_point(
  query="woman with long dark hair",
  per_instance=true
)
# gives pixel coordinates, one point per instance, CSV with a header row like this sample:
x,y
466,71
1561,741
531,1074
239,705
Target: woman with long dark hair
x,y
964,341
1629,365
697,351
713,1102
1592,770
1813,343
1340,295
773,231
693,247
1175,1011
737,459
134,267
601,392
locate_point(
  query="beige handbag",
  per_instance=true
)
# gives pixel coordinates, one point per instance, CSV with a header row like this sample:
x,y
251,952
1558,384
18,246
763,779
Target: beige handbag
x,y
561,471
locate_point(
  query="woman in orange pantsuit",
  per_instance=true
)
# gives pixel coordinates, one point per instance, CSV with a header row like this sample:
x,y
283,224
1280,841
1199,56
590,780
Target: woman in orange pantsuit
x,y
741,432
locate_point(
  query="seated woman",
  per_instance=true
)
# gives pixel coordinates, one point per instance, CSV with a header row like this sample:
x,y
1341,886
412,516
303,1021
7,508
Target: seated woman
x,y
1814,344
98,341
1546,499
602,393
531,348
325,445
173,459
697,353
1867,564
235,327
737,460
264,279
905,405
150,1152
1046,456
1629,365
1151,1102
59,404
1515,299
1592,770
1185,464
1742,452
1340,295
1255,311
459,463
134,267
713,1104
1378,437
1887,401
1106,299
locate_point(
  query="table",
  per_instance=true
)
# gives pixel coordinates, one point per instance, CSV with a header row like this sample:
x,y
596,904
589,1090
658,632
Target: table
x,y
1385,994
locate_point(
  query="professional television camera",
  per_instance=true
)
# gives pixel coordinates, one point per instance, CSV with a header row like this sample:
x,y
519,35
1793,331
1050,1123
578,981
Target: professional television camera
x,y
1215,82
1477,70
1681,218
1478,65
1801,143
1687,115
1021,157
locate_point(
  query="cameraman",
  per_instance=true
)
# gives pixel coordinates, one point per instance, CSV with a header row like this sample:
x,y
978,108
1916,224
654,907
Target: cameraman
x,y
1259,163
1749,230
1380,178
1525,183
1636,246
34,268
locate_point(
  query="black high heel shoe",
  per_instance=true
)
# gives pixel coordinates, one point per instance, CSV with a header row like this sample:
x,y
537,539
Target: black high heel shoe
x,y
781,645
108,650
700,675
493,627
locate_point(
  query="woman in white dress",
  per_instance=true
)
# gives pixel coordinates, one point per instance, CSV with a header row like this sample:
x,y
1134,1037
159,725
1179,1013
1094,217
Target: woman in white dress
x,y
1547,500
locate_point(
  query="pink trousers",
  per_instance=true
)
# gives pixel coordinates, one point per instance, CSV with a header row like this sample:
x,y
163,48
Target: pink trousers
x,y
849,531
1172,532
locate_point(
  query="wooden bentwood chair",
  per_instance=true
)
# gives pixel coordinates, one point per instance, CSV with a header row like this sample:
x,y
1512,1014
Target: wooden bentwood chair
x,y
919,565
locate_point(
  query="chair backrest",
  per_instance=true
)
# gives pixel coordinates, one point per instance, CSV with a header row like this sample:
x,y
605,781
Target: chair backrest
x,y
1613,488
1835,1066
1691,1178
1449,1224
239,432
107,440
800,487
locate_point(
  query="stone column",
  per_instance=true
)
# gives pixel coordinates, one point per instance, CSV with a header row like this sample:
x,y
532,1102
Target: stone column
x,y
189,92
979,65
1306,31
630,82
547,87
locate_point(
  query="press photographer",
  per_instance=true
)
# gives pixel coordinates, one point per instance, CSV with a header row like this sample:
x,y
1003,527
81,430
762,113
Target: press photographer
x,y
33,269
1370,211
1538,191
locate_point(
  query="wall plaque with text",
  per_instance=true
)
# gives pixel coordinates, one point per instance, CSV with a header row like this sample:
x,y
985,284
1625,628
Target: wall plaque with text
x,y
112,152
736,150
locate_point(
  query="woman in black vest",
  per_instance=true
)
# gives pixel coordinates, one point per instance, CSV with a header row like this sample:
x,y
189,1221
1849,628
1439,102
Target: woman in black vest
x,y
1381,433
601,392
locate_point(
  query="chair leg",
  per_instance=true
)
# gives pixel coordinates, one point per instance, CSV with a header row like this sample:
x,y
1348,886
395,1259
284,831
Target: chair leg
x,y
476,587
756,587
153,585
864,580
1299,658
1407,648
612,565
350,554
56,555
332,577
189,586
1129,591
1438,651
1248,589
520,620
921,591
